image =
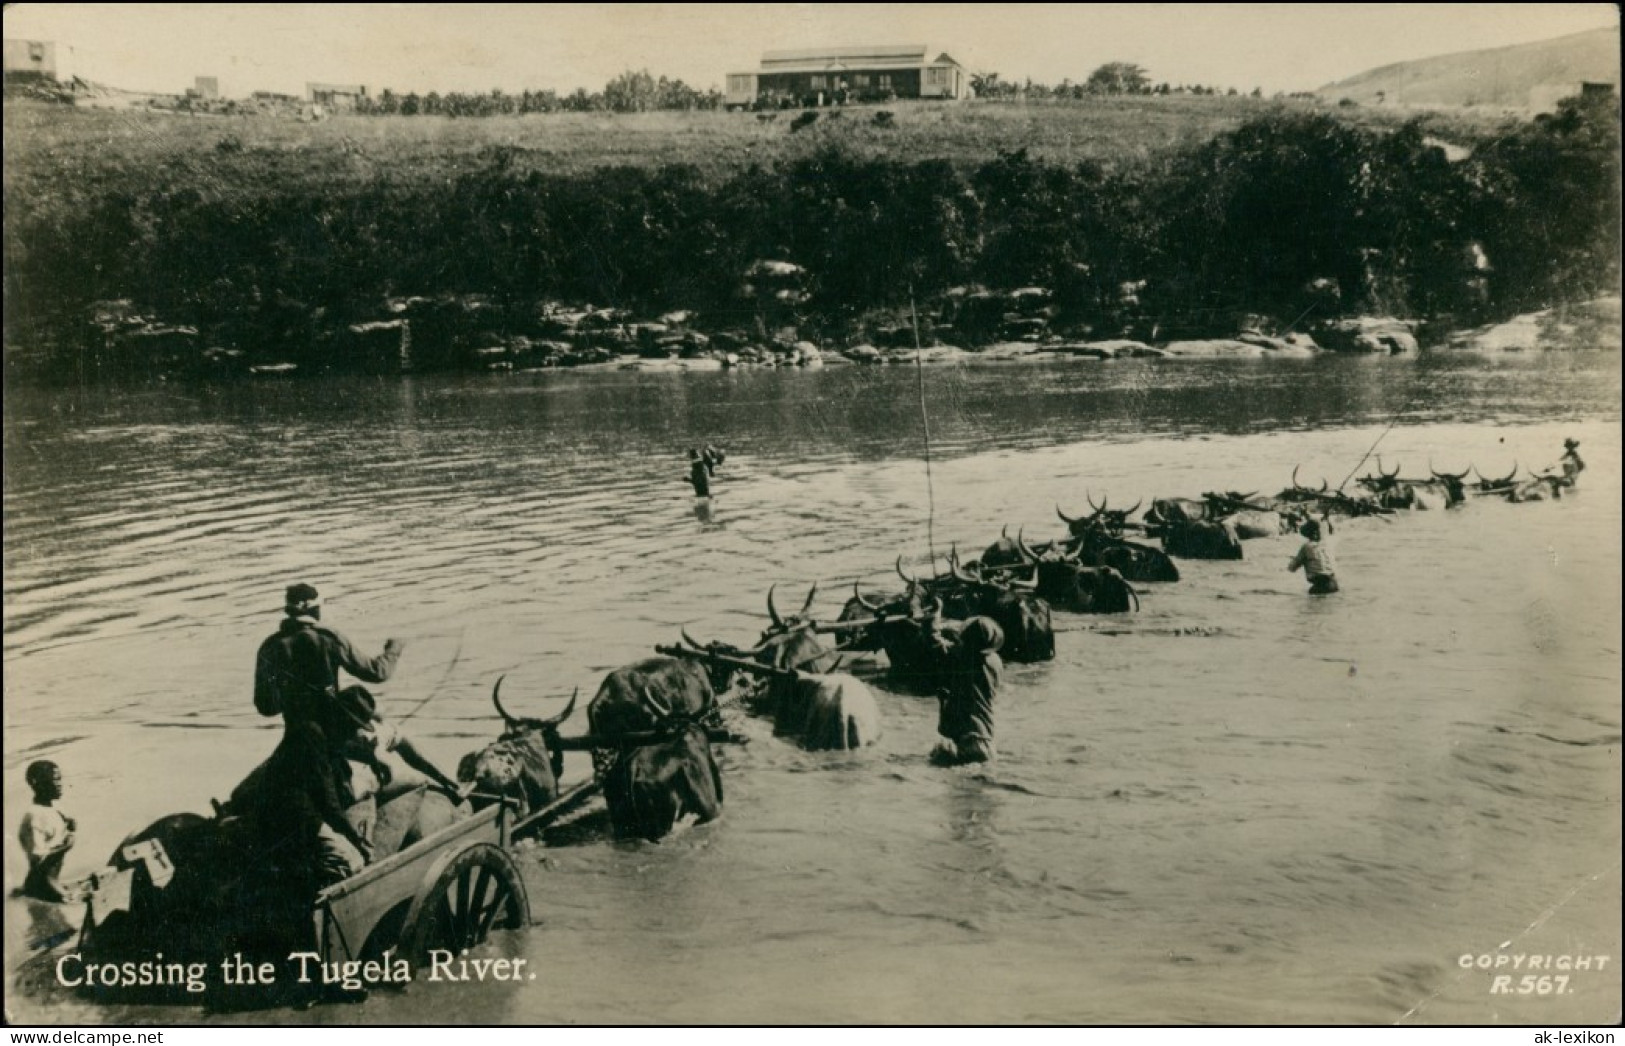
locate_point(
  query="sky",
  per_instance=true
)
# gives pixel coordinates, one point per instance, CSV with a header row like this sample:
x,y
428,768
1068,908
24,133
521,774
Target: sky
x,y
477,47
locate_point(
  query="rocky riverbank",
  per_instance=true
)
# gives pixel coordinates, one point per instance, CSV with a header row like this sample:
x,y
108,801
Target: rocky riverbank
x,y
475,334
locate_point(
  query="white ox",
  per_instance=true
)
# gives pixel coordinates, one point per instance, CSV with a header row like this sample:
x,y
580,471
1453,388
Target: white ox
x,y
825,710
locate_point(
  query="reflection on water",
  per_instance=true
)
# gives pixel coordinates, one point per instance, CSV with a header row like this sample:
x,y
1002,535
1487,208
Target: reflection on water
x,y
1241,804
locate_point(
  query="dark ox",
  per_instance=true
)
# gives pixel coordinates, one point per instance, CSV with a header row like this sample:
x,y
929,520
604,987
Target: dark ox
x,y
1073,586
1024,617
522,766
1324,502
1502,486
915,660
1188,530
1202,540
1096,540
654,756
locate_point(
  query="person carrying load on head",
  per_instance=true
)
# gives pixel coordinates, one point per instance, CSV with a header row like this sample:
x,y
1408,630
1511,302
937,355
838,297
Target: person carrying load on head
x,y
965,716
1314,558
701,468
296,670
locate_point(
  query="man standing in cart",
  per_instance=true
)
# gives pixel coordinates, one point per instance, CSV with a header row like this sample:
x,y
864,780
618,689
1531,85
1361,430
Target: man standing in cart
x,y
296,672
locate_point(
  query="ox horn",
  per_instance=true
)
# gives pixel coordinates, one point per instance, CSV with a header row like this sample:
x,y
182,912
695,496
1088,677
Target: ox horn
x,y
690,640
901,573
1026,551
1446,475
1386,475
873,608
1068,520
960,572
772,611
1100,508
496,699
1129,512
1511,476
1295,478
660,708
562,716
1028,585
806,605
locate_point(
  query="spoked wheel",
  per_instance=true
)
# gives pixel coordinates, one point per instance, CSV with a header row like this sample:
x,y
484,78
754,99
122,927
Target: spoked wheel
x,y
464,897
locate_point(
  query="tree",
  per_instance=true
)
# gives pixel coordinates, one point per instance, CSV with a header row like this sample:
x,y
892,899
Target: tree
x,y
1118,78
632,92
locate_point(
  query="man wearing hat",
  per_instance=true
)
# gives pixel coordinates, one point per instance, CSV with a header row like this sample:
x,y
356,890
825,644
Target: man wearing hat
x,y
1570,461
296,672
1314,558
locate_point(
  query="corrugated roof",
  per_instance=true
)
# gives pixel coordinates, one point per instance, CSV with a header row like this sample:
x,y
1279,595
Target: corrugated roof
x,y
807,56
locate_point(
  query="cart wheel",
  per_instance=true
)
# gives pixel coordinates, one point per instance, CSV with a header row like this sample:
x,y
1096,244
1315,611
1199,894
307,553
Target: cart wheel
x,y
464,897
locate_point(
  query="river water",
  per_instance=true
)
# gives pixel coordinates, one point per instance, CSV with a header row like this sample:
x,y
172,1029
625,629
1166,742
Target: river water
x,y
1239,805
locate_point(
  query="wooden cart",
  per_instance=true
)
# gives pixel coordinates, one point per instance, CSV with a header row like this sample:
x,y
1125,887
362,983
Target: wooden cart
x,y
179,889
448,891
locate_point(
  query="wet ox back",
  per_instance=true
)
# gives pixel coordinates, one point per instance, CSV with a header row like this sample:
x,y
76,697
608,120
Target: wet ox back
x,y
619,708
827,711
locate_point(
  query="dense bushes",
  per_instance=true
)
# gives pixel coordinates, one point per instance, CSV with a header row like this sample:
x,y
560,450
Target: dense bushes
x,y
1241,224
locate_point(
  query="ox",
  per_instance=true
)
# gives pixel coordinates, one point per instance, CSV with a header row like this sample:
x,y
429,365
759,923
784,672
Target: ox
x,y
914,658
1307,501
1253,517
653,754
787,644
1073,586
1023,616
523,765
830,710
1188,530
1538,488
1391,492
1097,541
820,710
1503,486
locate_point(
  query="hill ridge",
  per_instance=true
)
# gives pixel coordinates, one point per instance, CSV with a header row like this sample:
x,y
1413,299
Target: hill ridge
x,y
1500,76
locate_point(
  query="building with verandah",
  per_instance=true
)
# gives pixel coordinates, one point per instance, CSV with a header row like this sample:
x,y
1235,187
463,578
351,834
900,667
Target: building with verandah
x,y
832,75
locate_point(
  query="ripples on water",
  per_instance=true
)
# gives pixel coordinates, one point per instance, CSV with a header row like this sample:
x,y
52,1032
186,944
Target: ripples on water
x,y
1305,814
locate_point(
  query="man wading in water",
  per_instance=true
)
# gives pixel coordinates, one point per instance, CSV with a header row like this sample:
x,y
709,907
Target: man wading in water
x,y
702,465
965,716
1316,560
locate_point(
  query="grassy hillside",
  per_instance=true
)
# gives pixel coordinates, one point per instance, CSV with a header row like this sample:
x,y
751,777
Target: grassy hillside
x,y
69,154
1502,76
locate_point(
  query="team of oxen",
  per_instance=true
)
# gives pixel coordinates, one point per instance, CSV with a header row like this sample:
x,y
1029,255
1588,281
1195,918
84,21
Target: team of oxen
x,y
652,724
